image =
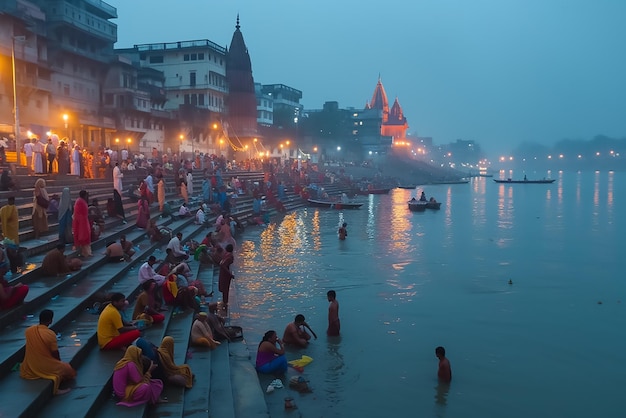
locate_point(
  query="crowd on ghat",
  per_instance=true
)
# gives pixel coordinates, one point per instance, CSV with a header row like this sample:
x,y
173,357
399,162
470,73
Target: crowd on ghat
x,y
140,374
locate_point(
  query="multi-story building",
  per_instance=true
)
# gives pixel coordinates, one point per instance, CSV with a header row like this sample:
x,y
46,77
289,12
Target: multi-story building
x,y
264,106
135,97
80,47
195,88
23,53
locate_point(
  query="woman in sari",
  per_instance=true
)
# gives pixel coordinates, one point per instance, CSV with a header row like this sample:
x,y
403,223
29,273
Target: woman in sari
x,y
118,205
183,192
65,217
143,214
81,227
161,192
131,384
178,375
269,357
40,206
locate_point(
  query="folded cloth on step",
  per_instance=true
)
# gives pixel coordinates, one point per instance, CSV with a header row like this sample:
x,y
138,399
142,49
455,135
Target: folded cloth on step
x,y
301,362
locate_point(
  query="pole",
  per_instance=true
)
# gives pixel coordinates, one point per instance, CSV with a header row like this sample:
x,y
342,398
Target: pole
x,y
16,111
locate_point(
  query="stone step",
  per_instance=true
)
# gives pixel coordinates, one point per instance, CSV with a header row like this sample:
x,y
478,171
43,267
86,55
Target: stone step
x,y
71,307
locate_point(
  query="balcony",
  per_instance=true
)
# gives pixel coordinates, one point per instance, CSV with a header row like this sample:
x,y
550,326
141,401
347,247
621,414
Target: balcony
x,y
101,8
31,81
62,11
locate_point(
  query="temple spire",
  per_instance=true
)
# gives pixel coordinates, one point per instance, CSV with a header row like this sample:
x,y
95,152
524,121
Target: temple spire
x,y
237,25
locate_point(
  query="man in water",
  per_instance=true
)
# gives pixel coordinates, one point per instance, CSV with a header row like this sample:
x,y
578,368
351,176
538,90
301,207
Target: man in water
x,y
445,372
295,332
333,314
343,231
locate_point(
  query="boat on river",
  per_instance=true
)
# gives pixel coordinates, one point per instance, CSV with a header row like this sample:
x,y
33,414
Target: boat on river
x,y
421,205
524,181
334,204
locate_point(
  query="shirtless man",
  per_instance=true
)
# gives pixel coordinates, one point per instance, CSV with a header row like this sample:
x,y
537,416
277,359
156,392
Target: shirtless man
x,y
295,333
445,372
333,314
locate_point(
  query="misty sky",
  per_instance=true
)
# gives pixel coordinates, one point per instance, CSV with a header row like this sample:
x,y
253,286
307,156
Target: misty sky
x,y
495,71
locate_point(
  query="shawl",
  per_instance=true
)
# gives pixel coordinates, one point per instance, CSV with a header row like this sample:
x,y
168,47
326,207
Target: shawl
x,y
65,203
132,355
40,189
166,353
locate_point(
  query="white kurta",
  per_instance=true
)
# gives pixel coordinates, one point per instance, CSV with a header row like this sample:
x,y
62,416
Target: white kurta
x,y
189,184
117,179
38,157
76,162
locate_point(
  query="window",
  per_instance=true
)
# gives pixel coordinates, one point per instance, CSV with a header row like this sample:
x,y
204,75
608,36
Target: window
x,y
186,99
194,99
66,89
186,57
156,59
201,56
194,57
192,79
142,57
201,99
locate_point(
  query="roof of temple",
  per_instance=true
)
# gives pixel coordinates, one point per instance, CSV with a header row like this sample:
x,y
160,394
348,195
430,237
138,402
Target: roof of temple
x,y
379,98
238,57
396,111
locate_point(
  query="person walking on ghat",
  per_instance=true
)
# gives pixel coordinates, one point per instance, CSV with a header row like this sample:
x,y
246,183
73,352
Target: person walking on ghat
x,y
444,373
226,276
333,314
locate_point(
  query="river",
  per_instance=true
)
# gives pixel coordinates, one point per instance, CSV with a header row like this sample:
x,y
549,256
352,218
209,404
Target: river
x,y
522,284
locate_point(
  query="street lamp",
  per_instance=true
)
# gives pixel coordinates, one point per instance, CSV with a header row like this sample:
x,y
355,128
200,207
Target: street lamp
x,y
221,142
65,119
16,111
128,141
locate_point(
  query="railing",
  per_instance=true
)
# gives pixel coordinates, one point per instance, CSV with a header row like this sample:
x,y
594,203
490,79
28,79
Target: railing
x,y
83,20
179,45
105,7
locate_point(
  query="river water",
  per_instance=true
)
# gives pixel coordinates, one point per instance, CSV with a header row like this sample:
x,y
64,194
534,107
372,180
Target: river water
x,y
551,344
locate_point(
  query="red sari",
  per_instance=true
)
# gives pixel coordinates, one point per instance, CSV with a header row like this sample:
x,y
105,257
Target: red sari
x,y
80,223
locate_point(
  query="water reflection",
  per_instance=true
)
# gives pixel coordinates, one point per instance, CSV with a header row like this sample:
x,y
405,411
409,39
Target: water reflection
x,y
441,393
333,384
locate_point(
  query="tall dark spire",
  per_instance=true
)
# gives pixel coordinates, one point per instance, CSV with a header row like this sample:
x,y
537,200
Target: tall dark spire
x,y
241,102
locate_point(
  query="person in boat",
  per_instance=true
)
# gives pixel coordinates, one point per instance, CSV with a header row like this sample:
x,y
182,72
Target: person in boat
x,y
525,178
344,198
432,200
423,197
413,199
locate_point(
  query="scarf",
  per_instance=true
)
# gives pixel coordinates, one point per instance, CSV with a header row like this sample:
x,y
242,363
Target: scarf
x,y
64,204
166,353
132,355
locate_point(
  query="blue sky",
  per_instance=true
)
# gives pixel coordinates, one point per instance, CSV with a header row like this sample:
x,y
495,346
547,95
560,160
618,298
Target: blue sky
x,y
495,71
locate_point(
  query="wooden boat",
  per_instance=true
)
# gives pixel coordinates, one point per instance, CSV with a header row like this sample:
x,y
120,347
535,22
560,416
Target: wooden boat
x,y
510,181
334,204
372,191
407,187
417,205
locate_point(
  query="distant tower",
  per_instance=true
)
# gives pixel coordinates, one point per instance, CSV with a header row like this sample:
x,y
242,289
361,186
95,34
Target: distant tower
x,y
241,103
393,123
